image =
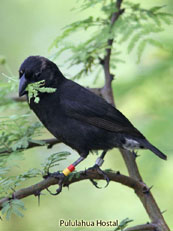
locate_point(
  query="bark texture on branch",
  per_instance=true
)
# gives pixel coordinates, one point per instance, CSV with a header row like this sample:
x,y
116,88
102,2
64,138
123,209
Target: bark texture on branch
x,y
146,227
107,89
84,175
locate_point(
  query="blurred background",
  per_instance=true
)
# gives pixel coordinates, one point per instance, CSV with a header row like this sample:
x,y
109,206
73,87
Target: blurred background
x,y
143,92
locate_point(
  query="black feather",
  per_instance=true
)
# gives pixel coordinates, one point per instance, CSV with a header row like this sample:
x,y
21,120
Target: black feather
x,y
151,147
76,116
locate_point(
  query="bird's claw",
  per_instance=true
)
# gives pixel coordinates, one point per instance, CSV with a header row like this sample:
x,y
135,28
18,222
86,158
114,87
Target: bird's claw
x,y
60,177
100,172
95,183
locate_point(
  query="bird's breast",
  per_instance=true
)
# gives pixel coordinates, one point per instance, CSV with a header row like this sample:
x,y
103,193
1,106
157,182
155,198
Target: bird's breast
x,y
50,114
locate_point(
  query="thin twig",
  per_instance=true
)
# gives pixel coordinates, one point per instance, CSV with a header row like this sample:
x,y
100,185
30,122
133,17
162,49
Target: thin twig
x,y
48,142
19,99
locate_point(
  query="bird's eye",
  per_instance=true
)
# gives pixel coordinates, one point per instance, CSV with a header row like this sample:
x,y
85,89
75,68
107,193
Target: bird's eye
x,y
21,72
37,74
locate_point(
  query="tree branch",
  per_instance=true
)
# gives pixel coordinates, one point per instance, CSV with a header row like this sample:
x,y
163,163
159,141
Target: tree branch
x,y
19,99
147,199
84,175
145,227
49,142
107,90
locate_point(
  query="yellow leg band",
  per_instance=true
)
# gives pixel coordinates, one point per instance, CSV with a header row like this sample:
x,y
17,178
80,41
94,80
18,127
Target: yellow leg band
x,y
66,172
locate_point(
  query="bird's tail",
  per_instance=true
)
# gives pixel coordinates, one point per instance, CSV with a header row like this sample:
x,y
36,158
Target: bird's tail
x,y
156,151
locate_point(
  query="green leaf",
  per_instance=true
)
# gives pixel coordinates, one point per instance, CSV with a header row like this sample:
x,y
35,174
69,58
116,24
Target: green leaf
x,y
71,28
17,212
21,143
123,224
133,42
18,203
140,50
53,160
31,173
37,99
143,44
34,89
89,4
145,31
9,213
5,207
3,170
156,8
12,207
165,17
156,19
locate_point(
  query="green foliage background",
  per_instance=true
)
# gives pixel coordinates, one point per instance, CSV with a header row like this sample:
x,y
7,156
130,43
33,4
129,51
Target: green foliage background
x,y
143,92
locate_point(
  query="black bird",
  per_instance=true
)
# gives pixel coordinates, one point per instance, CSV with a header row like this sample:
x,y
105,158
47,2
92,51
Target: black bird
x,y
78,117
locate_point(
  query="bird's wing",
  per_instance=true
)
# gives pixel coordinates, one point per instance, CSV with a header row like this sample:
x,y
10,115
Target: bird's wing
x,y
83,105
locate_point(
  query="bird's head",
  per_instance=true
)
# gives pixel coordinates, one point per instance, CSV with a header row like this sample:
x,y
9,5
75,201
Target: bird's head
x,y
35,69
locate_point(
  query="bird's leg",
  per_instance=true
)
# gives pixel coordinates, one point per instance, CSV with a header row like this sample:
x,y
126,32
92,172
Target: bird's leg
x,y
65,172
97,166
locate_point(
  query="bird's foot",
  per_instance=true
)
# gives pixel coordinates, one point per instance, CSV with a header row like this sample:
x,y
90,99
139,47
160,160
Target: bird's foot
x,y
100,172
60,177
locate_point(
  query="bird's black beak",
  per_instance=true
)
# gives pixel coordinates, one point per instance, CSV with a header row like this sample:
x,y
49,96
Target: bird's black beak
x,y
22,85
